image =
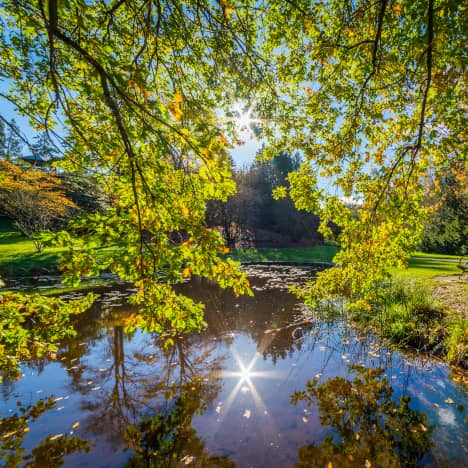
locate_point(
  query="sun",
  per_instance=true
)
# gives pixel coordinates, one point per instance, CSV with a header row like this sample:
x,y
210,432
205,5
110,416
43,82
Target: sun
x,y
243,117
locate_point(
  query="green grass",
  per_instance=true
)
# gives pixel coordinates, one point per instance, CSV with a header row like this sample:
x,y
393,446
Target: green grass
x,y
320,253
420,265
434,255
425,268
408,312
18,255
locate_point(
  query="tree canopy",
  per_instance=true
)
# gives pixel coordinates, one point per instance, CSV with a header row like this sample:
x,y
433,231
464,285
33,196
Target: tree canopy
x,y
140,92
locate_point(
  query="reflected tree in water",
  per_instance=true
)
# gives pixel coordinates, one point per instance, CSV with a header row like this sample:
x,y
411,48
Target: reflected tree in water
x,y
168,439
369,427
141,377
49,452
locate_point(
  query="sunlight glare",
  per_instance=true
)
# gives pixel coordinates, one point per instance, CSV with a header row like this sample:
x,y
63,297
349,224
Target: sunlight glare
x,y
243,119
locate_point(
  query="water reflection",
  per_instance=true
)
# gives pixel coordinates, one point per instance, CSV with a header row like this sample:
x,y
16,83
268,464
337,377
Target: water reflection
x,y
369,427
222,396
167,438
49,452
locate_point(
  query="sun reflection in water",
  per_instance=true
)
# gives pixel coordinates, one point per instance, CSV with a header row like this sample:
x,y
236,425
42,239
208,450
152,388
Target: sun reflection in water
x,y
246,376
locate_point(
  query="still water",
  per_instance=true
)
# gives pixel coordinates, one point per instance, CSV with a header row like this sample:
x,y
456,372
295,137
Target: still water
x,y
228,396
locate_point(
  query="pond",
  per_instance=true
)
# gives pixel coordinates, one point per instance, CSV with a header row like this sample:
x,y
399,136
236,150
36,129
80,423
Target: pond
x,y
233,395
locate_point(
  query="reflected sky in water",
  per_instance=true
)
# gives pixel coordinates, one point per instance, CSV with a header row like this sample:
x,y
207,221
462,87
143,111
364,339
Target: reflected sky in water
x,y
242,370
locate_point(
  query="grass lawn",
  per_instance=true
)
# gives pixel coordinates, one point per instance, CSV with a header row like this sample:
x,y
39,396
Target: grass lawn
x,y
18,255
420,265
425,268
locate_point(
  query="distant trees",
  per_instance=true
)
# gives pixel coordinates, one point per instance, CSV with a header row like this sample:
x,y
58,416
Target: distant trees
x,y
44,148
446,231
253,215
10,143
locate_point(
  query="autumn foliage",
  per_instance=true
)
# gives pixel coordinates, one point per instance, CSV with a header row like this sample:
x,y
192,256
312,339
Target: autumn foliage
x,y
34,199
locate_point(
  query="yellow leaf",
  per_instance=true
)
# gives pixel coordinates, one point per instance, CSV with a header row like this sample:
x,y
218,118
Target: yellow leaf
x,y
178,98
449,400
175,110
186,272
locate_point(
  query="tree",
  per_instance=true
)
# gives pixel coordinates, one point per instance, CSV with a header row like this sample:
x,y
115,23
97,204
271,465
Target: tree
x,y
35,200
355,87
44,148
446,230
377,101
10,142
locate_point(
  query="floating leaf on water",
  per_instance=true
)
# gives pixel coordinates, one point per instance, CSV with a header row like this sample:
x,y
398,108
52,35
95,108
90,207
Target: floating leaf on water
x,y
218,409
187,459
58,399
304,419
76,425
96,388
56,436
367,464
60,408
246,414
449,401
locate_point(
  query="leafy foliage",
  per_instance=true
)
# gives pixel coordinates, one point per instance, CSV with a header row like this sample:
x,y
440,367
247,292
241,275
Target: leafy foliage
x,y
371,429
369,92
377,104
32,325
139,85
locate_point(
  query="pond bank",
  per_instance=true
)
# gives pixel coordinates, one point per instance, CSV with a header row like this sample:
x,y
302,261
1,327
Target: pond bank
x,y
424,316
